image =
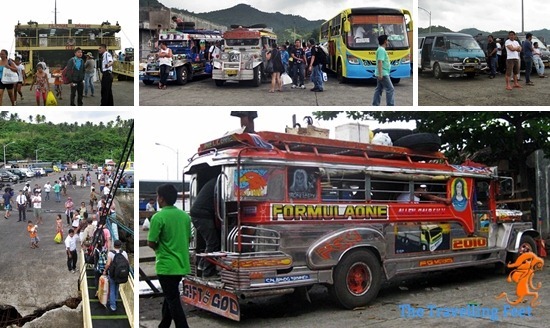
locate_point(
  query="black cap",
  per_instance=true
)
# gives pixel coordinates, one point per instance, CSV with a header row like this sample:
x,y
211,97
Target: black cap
x,y
118,243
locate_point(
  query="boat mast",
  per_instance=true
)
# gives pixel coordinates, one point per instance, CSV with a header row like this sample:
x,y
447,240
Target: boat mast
x,y
55,13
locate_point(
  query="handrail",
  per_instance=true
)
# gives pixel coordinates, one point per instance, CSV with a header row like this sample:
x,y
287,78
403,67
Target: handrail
x,y
83,288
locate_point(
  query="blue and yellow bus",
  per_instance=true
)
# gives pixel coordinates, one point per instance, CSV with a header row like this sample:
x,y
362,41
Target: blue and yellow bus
x,y
351,38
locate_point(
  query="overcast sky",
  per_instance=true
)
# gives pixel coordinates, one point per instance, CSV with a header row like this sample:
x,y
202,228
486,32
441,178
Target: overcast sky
x,y
71,116
310,9
489,15
185,134
81,12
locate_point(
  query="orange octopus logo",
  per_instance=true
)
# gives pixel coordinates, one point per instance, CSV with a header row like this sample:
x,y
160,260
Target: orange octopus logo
x,y
523,273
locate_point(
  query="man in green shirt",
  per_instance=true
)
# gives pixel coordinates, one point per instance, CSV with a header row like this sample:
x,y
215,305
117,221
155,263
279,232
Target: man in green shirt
x,y
382,73
169,236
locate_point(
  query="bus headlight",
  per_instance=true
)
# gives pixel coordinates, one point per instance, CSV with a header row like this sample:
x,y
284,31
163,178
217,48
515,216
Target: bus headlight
x,y
353,60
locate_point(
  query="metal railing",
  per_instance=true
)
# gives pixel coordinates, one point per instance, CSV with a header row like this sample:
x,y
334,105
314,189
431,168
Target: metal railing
x,y
66,41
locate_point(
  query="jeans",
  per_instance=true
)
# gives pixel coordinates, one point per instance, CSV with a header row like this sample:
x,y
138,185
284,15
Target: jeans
x,y
171,307
107,89
206,228
47,195
164,72
77,87
89,83
298,72
57,196
71,261
493,65
539,65
528,68
113,294
317,77
383,84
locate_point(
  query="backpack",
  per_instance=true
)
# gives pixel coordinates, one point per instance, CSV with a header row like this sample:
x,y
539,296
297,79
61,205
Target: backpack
x,y
320,55
67,73
119,268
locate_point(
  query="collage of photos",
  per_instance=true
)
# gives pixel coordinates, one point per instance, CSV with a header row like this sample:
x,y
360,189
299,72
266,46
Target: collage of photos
x,y
258,200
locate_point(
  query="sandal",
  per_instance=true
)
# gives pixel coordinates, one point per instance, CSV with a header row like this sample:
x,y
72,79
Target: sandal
x,y
160,86
271,91
163,87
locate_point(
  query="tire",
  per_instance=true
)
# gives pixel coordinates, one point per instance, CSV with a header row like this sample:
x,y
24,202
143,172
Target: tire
x,y
182,75
420,141
394,134
526,244
11,179
471,75
219,83
438,74
147,82
257,81
395,81
339,72
357,279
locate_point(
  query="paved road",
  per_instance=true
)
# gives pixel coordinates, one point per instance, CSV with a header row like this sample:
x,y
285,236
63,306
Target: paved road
x,y
31,279
481,91
452,289
203,92
123,93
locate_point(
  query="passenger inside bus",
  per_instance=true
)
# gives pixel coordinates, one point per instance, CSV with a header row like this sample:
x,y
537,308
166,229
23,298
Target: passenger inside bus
x,y
421,194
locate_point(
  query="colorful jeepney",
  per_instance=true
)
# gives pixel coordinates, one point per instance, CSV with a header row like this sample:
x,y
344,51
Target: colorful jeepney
x,y
295,211
244,55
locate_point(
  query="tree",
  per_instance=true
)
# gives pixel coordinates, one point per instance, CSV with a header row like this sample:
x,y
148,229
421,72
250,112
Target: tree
x,y
30,118
490,136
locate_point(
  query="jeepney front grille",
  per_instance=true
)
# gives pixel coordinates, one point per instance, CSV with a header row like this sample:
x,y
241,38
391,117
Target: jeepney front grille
x,y
248,239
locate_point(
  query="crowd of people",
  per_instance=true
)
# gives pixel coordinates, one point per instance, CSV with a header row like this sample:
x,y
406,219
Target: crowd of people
x,y
78,75
82,224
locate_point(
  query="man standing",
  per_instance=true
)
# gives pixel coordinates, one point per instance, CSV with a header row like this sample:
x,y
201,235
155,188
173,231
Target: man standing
x,y
89,71
298,68
512,60
316,67
75,69
169,235
528,58
47,189
21,206
70,245
214,51
37,207
492,56
382,73
106,76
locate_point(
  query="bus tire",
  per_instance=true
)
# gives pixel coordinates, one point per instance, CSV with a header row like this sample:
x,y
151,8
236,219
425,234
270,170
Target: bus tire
x,y
182,75
147,82
219,83
420,141
357,279
438,74
257,81
395,81
340,73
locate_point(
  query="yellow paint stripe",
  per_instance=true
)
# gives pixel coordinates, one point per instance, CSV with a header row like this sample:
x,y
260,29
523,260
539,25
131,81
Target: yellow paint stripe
x,y
109,317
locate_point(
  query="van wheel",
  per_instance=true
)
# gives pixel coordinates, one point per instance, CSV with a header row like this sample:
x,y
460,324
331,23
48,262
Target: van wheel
x,y
357,279
438,74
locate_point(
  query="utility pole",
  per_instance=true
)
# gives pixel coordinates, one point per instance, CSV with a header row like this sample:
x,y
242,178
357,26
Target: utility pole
x,y
430,14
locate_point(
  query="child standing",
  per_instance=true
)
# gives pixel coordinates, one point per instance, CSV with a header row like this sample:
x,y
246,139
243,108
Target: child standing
x,y
42,85
33,233
59,225
58,84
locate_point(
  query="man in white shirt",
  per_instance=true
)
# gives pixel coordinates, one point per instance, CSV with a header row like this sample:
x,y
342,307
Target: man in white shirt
x,y
214,51
106,77
70,245
21,206
36,200
47,189
512,59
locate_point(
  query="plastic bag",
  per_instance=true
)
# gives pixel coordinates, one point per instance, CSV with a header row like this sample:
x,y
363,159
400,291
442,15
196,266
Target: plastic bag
x,y
146,224
50,99
103,290
58,238
286,79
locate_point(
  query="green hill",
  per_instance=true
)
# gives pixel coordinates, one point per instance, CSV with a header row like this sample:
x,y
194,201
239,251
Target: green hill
x,y
543,35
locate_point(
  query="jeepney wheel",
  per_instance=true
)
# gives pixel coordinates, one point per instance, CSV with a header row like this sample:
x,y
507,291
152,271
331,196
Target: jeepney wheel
x,y
182,75
219,83
526,244
147,82
257,81
471,75
438,74
357,279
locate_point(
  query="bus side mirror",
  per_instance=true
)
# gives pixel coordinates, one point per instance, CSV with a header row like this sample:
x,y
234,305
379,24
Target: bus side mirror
x,y
347,26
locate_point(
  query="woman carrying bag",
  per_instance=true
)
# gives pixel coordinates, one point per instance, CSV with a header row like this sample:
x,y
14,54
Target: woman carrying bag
x,y
8,76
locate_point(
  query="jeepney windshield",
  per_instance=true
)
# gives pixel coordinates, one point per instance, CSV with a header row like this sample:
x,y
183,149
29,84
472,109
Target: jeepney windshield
x,y
241,42
366,29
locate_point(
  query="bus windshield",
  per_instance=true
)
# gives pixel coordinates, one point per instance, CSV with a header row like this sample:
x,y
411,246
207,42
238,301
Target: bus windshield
x,y
366,29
